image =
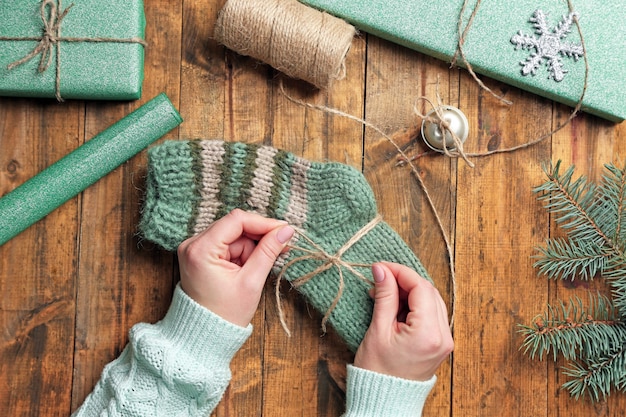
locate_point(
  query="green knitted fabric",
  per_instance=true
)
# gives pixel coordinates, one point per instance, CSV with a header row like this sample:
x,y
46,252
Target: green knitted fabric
x,y
193,183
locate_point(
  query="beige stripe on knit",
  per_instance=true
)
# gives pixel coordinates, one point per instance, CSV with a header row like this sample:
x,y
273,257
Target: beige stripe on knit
x,y
297,208
211,158
261,190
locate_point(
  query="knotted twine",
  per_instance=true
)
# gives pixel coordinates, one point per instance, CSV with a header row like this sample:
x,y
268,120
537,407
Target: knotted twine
x,y
444,127
297,40
328,261
51,36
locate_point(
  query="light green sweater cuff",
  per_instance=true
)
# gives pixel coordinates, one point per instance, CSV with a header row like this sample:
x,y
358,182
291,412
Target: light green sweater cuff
x,y
372,394
202,334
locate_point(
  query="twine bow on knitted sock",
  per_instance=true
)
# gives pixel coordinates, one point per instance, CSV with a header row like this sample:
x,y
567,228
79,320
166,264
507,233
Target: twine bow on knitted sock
x,y
191,184
329,261
51,36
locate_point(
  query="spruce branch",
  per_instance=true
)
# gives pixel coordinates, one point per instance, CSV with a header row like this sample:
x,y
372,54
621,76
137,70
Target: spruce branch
x,y
616,277
613,188
570,259
572,329
592,337
573,204
597,378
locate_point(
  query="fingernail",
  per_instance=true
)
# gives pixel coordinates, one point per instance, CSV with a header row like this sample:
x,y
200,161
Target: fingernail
x,y
284,234
378,273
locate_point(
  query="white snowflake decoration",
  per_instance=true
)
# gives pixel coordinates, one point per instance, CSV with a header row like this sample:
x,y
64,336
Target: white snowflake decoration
x,y
548,45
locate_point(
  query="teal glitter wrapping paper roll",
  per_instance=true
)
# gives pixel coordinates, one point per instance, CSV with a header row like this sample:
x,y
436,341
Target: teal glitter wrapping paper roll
x,y
66,178
90,69
431,28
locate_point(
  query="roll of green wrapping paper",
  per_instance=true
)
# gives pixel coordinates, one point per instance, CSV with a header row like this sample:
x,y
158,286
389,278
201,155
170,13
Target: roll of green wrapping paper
x,y
63,180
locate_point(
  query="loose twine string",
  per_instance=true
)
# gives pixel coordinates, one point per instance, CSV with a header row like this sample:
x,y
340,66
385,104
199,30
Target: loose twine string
x,y
328,261
445,129
462,34
51,36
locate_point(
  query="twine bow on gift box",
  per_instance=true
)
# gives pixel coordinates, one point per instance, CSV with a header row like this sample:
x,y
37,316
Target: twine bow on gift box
x,y
328,261
51,36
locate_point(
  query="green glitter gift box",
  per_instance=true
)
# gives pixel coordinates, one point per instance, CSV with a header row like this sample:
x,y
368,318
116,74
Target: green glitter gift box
x,y
533,45
83,50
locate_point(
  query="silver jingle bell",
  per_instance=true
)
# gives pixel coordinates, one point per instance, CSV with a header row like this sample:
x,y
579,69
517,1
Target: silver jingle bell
x,y
457,122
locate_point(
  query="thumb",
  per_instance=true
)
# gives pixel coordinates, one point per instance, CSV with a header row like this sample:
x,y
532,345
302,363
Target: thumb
x,y
264,255
386,297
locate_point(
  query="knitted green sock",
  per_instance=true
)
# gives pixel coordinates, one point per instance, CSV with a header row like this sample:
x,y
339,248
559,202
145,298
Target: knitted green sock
x,y
191,184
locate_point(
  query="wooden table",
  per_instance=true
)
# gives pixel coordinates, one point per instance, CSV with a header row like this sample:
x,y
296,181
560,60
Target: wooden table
x,y
73,284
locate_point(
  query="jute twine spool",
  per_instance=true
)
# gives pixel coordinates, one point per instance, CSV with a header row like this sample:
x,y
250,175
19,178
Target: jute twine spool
x,y
295,39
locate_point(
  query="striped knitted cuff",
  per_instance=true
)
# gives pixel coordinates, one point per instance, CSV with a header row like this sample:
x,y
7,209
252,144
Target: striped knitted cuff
x,y
171,195
190,184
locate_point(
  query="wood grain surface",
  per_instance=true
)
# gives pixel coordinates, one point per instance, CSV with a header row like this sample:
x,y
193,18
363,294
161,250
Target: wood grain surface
x,y
72,285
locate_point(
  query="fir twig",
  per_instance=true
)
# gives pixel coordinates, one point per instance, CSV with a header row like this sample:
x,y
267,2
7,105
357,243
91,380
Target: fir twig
x,y
613,188
616,277
574,328
573,204
593,337
598,377
568,259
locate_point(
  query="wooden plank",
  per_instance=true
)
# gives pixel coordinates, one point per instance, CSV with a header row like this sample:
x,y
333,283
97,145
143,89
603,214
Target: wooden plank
x,y
498,222
587,143
204,72
213,86
122,282
342,140
396,78
305,374
290,363
37,268
239,110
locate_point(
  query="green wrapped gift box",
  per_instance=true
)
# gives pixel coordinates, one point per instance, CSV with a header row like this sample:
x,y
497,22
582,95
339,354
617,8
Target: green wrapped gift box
x,y
87,49
431,28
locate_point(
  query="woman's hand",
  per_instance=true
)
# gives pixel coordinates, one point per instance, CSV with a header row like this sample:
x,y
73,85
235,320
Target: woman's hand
x,y
409,336
224,268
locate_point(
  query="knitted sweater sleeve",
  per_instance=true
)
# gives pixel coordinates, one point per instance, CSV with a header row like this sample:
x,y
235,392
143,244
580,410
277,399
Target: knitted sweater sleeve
x,y
179,366
370,394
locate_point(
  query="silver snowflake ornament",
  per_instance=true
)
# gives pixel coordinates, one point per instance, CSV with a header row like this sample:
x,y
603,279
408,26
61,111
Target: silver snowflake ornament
x,y
548,45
